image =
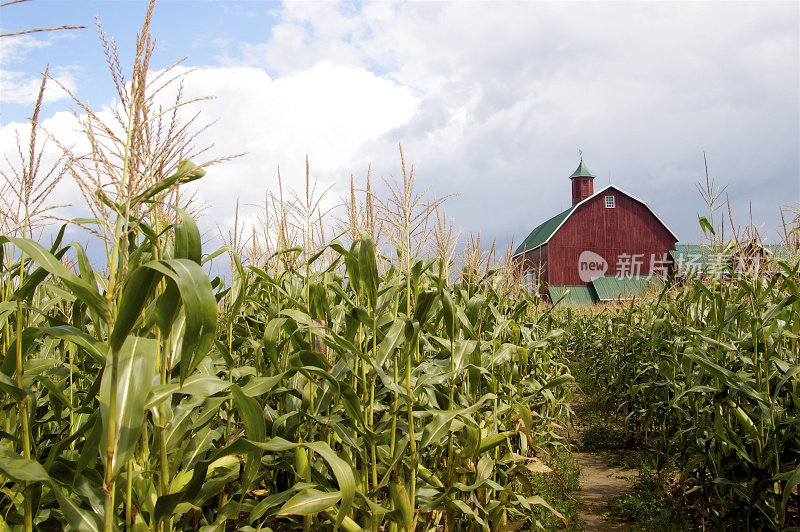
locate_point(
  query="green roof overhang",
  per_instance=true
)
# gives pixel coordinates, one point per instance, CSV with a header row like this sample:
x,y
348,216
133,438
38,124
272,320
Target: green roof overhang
x,y
610,288
572,294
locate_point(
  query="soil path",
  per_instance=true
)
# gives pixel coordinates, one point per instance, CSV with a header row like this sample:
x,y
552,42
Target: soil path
x,y
600,481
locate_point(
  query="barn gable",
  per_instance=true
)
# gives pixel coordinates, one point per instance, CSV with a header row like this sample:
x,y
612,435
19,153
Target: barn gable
x,y
544,232
610,233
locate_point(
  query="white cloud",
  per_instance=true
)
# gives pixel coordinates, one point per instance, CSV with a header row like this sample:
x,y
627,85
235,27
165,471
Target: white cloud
x,y
328,112
21,88
15,49
492,100
509,91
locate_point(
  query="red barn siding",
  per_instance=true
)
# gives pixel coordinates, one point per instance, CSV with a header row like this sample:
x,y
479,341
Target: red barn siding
x,y
630,228
536,259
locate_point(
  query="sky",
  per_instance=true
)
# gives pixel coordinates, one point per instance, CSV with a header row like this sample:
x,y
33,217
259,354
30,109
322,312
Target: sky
x,y
492,101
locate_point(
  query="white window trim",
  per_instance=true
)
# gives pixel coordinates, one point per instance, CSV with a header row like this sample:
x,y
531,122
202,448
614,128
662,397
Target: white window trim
x,y
610,202
530,278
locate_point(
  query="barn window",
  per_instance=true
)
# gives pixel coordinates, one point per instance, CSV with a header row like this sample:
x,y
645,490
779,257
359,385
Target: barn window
x,y
529,278
609,202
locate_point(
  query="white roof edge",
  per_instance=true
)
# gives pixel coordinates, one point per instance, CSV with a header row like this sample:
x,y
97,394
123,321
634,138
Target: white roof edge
x,y
575,207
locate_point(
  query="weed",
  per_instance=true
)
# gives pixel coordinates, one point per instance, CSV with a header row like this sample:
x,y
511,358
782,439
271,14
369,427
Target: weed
x,y
603,436
648,507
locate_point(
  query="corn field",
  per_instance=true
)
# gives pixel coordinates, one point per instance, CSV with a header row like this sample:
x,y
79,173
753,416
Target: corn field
x,y
708,375
320,386
290,400
349,383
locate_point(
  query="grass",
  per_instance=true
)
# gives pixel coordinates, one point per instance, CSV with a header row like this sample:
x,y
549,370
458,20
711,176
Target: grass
x,y
648,507
557,487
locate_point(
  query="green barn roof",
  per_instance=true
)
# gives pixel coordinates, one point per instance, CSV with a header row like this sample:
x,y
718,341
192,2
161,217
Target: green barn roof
x,y
542,232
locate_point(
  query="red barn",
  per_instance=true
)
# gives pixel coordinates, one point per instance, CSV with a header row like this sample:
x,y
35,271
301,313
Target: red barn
x,y
608,245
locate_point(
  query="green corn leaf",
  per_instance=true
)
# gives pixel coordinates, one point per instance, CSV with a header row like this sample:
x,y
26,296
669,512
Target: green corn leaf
x,y
199,306
137,290
773,310
77,517
33,280
165,504
318,304
484,483
792,480
251,413
270,502
490,442
85,292
240,284
84,266
561,380
342,472
449,315
434,431
425,302
21,469
368,271
264,385
97,350
186,173
188,244
253,417
527,419
311,359
91,445
10,387
350,400
746,422
167,309
790,373
53,391
344,476
706,226
310,502
199,386
536,500
29,338
272,335
465,323
79,434
276,444
135,374
394,339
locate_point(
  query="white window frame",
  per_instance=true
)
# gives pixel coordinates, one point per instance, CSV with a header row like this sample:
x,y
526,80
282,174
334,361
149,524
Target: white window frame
x,y
610,202
530,278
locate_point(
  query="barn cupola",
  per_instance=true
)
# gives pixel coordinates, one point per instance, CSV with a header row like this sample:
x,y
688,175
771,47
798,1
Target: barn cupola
x,y
582,183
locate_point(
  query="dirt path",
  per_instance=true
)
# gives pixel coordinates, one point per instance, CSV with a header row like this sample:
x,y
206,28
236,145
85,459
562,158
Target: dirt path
x,y
600,481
